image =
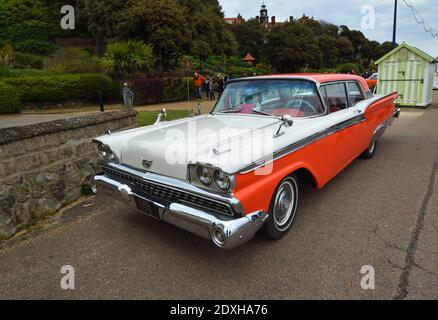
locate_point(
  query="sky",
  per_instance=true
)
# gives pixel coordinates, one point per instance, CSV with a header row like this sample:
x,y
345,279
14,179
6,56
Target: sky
x,y
349,12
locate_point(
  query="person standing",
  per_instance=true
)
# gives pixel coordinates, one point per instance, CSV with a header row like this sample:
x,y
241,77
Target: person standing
x,y
198,81
207,87
128,96
212,89
220,85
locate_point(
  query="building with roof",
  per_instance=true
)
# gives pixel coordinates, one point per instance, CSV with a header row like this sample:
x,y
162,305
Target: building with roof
x,y
249,59
234,21
410,72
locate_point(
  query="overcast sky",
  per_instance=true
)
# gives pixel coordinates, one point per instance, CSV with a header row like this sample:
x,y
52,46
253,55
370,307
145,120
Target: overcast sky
x,y
348,12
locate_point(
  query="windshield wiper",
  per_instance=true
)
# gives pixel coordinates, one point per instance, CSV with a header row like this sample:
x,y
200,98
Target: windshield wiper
x,y
231,111
263,113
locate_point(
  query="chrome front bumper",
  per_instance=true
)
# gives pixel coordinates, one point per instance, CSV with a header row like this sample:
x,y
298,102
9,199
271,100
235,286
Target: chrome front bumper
x,y
225,233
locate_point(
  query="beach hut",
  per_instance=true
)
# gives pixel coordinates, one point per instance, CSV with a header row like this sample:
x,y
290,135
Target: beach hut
x,y
409,71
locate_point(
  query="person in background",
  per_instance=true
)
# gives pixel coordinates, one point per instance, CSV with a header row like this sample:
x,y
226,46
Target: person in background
x,y
128,96
198,81
100,100
212,89
220,85
207,86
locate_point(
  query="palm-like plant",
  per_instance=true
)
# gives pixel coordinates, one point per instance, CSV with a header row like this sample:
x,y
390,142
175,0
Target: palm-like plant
x,y
128,59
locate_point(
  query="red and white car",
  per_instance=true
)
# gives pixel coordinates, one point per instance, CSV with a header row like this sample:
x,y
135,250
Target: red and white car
x,y
225,175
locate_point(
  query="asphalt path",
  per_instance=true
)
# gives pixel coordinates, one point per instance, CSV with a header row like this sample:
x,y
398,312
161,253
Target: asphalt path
x,y
381,213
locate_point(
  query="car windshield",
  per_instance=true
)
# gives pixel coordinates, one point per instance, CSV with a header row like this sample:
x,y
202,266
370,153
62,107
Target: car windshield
x,y
297,98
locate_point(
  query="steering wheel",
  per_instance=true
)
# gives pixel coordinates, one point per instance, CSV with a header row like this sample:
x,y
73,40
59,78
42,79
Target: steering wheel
x,y
308,107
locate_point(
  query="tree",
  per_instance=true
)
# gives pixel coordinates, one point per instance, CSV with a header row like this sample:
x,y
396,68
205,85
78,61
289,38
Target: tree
x,y
207,29
330,50
128,59
346,49
103,18
293,48
28,25
252,38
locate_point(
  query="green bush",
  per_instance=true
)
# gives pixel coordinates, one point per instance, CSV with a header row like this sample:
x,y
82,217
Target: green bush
x,y
157,90
10,101
175,89
6,56
348,67
19,73
72,60
28,60
53,89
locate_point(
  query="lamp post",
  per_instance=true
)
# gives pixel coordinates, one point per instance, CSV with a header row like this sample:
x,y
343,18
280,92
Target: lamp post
x,y
394,32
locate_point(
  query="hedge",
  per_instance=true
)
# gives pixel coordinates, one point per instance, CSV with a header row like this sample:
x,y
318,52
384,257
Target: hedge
x,y
158,90
27,60
10,101
61,88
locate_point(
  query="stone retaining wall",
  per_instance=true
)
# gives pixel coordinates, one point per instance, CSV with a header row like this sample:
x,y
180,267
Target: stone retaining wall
x,y
43,167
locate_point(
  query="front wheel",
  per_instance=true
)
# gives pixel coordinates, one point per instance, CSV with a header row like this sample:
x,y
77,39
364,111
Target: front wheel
x,y
283,208
370,152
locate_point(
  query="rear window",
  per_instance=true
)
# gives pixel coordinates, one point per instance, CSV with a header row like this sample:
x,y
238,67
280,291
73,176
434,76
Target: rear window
x,y
335,96
355,93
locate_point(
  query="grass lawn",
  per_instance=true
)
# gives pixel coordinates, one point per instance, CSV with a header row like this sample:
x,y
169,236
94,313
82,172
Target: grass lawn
x,y
148,118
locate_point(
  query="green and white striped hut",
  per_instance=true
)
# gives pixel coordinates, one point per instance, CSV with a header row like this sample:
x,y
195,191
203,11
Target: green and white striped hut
x,y
409,71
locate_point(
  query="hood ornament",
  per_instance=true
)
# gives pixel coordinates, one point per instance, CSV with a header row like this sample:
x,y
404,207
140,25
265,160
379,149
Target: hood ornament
x,y
162,114
147,163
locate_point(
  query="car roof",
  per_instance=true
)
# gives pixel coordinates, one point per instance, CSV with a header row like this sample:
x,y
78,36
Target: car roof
x,y
319,77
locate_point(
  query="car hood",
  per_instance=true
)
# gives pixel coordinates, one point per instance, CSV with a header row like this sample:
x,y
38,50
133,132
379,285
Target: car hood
x,y
223,141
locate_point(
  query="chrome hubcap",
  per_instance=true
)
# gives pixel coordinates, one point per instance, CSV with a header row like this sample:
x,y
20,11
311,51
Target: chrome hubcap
x,y
285,205
373,146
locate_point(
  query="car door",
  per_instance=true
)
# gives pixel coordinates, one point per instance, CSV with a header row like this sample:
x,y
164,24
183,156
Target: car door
x,y
345,137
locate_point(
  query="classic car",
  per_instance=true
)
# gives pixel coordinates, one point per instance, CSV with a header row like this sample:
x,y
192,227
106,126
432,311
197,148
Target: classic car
x,y
372,81
225,175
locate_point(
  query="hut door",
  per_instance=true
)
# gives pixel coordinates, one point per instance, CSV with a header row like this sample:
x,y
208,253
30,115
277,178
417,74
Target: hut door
x,y
413,85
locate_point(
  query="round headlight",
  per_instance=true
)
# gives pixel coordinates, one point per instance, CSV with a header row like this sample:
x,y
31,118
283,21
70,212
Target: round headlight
x,y
222,180
204,176
103,151
106,153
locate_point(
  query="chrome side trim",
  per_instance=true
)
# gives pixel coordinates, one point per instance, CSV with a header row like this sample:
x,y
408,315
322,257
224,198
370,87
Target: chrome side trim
x,y
303,143
178,185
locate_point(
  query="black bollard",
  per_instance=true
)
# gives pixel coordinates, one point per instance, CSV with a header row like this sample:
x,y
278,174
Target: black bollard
x,y
100,100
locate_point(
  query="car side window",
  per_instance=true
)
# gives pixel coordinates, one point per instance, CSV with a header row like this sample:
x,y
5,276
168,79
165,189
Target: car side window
x,y
355,93
335,96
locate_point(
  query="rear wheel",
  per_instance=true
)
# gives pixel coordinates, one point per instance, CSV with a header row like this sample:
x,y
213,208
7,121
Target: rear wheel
x,y
283,208
370,152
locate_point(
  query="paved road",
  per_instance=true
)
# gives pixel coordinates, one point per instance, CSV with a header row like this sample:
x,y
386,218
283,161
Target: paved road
x,y
37,116
382,212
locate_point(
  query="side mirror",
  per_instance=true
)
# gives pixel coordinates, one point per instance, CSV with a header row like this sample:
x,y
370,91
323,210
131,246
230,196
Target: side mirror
x,y
288,121
164,112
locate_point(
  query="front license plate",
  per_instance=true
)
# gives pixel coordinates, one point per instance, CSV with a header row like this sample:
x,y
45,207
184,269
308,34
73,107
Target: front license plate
x,y
146,207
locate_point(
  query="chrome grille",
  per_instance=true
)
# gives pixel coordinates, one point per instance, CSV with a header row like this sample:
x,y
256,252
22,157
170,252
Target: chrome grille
x,y
168,195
